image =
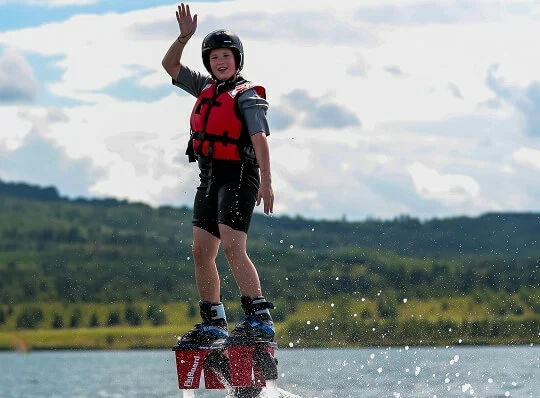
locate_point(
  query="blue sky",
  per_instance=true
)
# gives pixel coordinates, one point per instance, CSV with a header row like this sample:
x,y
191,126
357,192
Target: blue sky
x,y
19,14
377,108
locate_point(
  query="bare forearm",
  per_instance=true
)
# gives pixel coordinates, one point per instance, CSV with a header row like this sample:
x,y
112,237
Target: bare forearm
x,y
262,152
171,60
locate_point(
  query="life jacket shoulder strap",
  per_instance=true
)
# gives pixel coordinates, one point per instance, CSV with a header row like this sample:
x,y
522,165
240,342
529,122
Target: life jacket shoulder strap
x,y
246,86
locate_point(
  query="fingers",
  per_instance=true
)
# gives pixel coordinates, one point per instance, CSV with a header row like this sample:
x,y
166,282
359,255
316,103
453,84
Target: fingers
x,y
268,201
269,206
183,11
185,20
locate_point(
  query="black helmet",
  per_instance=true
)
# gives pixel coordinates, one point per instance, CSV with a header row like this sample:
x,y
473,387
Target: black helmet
x,y
222,39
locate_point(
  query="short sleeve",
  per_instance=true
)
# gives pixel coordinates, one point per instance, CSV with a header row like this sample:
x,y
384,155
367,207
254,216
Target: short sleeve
x,y
254,108
191,81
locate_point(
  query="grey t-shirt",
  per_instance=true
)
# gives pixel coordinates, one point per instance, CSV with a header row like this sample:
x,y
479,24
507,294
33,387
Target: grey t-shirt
x,y
252,106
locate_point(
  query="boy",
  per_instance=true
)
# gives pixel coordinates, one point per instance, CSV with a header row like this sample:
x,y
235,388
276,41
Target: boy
x,y
228,141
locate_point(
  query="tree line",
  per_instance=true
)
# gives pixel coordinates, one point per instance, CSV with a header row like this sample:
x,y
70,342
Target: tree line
x,y
104,250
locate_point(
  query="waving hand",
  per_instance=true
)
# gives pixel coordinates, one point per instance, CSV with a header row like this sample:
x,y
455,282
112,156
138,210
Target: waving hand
x,y
186,22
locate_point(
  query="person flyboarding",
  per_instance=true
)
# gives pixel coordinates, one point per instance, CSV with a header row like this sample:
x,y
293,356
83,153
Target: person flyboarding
x,y
228,140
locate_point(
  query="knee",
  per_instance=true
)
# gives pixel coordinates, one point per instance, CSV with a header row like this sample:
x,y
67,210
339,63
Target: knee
x,y
200,253
228,249
231,249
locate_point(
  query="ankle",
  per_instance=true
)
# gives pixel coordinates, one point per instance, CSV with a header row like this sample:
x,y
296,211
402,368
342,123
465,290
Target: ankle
x,y
212,311
257,306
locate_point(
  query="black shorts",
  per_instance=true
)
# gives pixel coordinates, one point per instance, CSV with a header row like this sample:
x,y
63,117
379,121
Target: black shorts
x,y
229,202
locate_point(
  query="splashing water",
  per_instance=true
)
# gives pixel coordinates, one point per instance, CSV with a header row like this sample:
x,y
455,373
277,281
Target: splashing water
x,y
272,391
188,393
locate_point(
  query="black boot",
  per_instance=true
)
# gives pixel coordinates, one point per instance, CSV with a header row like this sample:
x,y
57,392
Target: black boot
x,y
257,324
212,328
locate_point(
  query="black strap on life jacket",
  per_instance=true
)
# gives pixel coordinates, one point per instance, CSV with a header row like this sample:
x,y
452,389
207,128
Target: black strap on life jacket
x,y
224,139
190,151
210,102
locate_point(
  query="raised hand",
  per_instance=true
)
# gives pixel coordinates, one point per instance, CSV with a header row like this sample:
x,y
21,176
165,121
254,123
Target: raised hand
x,y
186,22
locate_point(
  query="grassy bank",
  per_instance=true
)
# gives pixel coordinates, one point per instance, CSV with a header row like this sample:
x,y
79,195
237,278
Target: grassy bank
x,y
288,335
341,321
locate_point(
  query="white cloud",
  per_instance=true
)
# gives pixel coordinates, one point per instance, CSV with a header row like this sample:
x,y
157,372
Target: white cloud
x,y
348,137
17,80
527,157
448,188
14,127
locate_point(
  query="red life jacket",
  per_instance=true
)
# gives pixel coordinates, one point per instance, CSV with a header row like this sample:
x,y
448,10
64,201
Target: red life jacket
x,y
217,128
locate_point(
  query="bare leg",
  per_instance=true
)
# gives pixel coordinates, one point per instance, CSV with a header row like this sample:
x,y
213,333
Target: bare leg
x,y
205,249
245,273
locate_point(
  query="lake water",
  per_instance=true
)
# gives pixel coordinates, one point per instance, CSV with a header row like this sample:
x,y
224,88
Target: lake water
x,y
322,373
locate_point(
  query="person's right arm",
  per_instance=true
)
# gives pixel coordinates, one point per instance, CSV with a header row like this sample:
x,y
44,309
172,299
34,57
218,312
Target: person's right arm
x,y
187,25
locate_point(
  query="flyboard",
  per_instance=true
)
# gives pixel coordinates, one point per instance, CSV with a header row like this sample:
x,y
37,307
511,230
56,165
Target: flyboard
x,y
243,368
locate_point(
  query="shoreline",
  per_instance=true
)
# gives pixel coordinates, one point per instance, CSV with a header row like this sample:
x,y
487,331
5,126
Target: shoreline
x,y
116,340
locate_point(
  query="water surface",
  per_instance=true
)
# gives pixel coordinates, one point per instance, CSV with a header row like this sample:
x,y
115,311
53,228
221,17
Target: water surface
x,y
310,373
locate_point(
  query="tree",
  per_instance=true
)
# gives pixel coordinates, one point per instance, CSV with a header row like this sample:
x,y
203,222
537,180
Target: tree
x,y
75,320
156,315
132,315
387,307
94,321
57,322
192,310
29,318
113,319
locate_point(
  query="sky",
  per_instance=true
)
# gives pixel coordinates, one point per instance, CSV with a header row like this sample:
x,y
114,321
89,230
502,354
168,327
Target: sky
x,y
378,108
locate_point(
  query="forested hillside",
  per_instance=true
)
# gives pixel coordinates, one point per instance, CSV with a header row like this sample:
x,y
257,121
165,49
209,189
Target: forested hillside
x,y
106,250
108,263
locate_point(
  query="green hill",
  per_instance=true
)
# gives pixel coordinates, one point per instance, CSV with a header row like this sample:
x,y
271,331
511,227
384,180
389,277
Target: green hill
x,y
97,260
53,248
107,250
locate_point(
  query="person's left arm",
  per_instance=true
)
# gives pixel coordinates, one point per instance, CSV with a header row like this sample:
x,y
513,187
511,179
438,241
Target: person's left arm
x,y
262,152
253,107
